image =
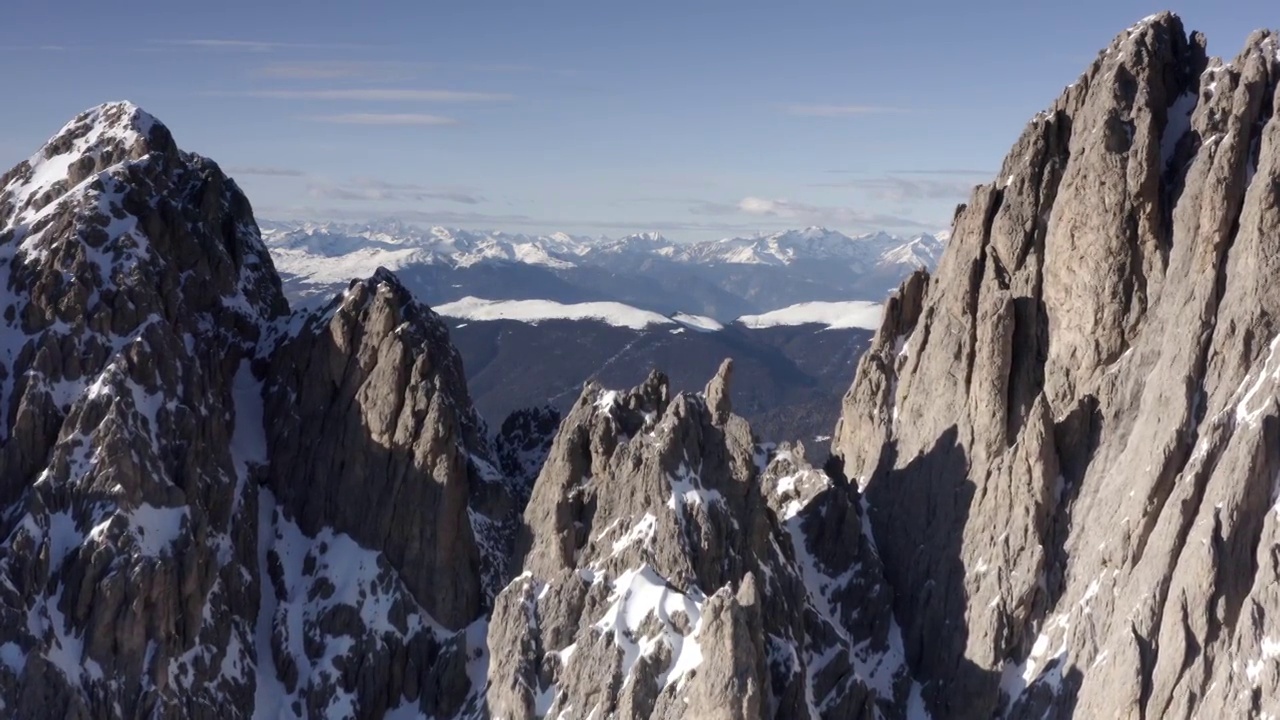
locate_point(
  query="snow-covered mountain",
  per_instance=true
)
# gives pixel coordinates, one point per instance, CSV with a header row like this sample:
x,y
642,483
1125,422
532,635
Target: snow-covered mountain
x,y
395,244
833,315
860,253
212,505
792,364
722,279
1051,490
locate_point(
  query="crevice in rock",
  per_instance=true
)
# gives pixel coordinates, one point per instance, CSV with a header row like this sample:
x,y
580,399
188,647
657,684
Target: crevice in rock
x,y
1236,549
977,272
1176,459
1146,669
1075,437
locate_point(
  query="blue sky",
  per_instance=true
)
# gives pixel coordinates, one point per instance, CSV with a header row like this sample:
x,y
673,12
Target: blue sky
x,y
696,119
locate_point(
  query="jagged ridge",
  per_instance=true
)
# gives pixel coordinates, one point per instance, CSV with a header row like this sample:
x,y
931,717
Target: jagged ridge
x,y
169,551
1062,435
1060,455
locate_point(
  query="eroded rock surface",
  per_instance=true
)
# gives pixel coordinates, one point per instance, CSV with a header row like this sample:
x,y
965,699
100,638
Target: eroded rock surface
x,y
212,508
1052,491
1065,435
673,567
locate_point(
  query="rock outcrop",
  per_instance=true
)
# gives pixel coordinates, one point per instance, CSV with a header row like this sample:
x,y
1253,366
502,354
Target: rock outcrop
x,y
1066,436
1052,492
673,567
212,508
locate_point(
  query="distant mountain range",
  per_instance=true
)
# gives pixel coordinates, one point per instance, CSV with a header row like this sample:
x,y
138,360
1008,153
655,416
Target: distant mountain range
x,y
535,316
721,279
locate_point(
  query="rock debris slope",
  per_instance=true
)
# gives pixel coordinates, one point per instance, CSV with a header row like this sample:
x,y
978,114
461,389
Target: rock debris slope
x,y
1067,437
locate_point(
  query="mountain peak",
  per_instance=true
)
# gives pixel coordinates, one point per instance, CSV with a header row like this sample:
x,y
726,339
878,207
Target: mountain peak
x,y
95,140
1106,393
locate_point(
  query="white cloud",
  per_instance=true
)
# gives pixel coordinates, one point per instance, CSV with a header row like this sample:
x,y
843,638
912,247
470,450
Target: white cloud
x,y
910,189
419,119
372,190
380,94
790,212
339,70
840,110
254,46
265,171
761,206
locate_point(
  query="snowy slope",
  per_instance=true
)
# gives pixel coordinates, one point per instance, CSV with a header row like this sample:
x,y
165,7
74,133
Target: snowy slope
x,y
300,248
719,279
534,311
835,315
701,323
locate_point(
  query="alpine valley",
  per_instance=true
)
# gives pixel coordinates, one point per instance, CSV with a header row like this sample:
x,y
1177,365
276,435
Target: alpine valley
x,y
235,483
534,317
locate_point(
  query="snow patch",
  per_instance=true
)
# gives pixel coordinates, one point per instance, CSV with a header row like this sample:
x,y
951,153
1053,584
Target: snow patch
x,y
156,528
878,670
1177,125
835,315
701,323
316,575
1245,413
1017,677
12,657
687,490
607,399
248,435
535,311
642,531
639,593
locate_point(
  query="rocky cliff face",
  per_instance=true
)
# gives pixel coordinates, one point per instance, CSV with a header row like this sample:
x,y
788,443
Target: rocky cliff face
x,y
1067,436
1052,491
212,508
672,567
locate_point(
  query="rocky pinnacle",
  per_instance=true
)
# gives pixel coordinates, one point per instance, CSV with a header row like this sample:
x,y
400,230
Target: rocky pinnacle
x,y
1066,436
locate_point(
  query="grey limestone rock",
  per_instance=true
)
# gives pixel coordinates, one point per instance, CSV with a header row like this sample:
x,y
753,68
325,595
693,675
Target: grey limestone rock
x,y
1064,434
673,567
211,508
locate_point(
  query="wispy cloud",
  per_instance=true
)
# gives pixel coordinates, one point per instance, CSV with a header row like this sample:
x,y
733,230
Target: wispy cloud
x,y
511,222
34,48
252,46
385,71
419,119
913,188
522,69
372,190
265,171
946,171
425,217
793,212
921,171
380,95
805,110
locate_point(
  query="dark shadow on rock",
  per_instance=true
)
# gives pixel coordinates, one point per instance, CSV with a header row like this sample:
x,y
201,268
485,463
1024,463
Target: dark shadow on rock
x,y
1076,437
404,489
1051,697
918,514
1026,362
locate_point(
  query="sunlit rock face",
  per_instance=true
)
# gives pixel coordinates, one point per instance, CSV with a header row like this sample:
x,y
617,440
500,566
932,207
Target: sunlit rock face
x,y
1066,434
1051,493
